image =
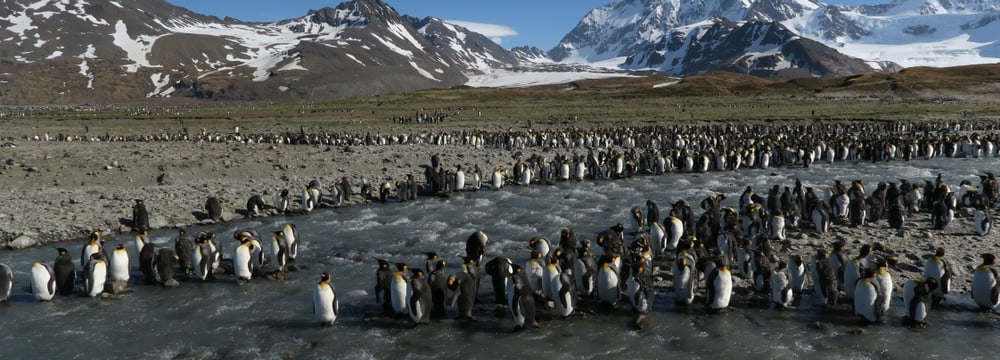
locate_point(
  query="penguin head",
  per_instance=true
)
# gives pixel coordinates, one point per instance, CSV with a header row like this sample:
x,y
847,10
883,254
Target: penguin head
x,y
96,256
515,268
95,235
62,251
865,250
120,247
402,267
431,256
138,201
417,273
939,252
989,259
182,232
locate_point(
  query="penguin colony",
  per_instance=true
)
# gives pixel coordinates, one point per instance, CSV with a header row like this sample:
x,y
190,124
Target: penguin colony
x,y
710,256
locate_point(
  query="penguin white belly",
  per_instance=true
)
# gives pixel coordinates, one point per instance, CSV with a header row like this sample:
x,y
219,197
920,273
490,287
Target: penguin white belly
x,y
777,228
325,303
496,182
722,286
534,271
307,201
852,272
398,292
936,270
292,241
242,262
88,250
798,277
550,276
97,276
683,284
865,301
564,172
983,283
607,285
43,283
459,181
781,290
119,266
885,289
675,229
584,283
659,236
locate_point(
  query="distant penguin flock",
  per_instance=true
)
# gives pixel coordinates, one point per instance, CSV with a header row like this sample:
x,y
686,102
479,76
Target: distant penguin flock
x,y
709,255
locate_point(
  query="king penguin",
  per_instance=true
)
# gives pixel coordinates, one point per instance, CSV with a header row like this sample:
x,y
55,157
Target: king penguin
x,y
868,298
475,246
204,259
685,279
781,288
214,208
985,287
65,272
326,304
824,278
398,289
383,279
500,270
119,264
438,282
982,220
163,267
279,251
93,245
719,287
292,240
521,299
243,261
564,292
184,249
140,217
418,297
97,275
640,289
607,280
463,298
937,267
585,272
43,282
917,299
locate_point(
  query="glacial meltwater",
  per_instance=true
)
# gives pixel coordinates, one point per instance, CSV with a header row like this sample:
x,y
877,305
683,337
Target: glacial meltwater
x,y
273,319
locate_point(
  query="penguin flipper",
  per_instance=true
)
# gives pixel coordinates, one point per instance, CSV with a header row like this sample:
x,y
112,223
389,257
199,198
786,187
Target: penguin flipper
x,y
336,304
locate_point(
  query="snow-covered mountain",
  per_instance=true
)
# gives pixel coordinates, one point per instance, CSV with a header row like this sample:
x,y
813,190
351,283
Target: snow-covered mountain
x,y
59,51
674,35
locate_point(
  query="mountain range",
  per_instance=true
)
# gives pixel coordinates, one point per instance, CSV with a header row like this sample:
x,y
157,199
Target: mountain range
x,y
75,51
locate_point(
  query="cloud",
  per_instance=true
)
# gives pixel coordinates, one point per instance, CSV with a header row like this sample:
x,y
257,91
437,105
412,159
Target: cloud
x,y
495,32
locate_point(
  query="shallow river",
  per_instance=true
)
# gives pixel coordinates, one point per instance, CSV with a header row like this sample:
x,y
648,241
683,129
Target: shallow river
x,y
271,319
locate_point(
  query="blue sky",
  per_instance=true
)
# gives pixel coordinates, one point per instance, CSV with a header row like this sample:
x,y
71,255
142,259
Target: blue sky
x,y
540,23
